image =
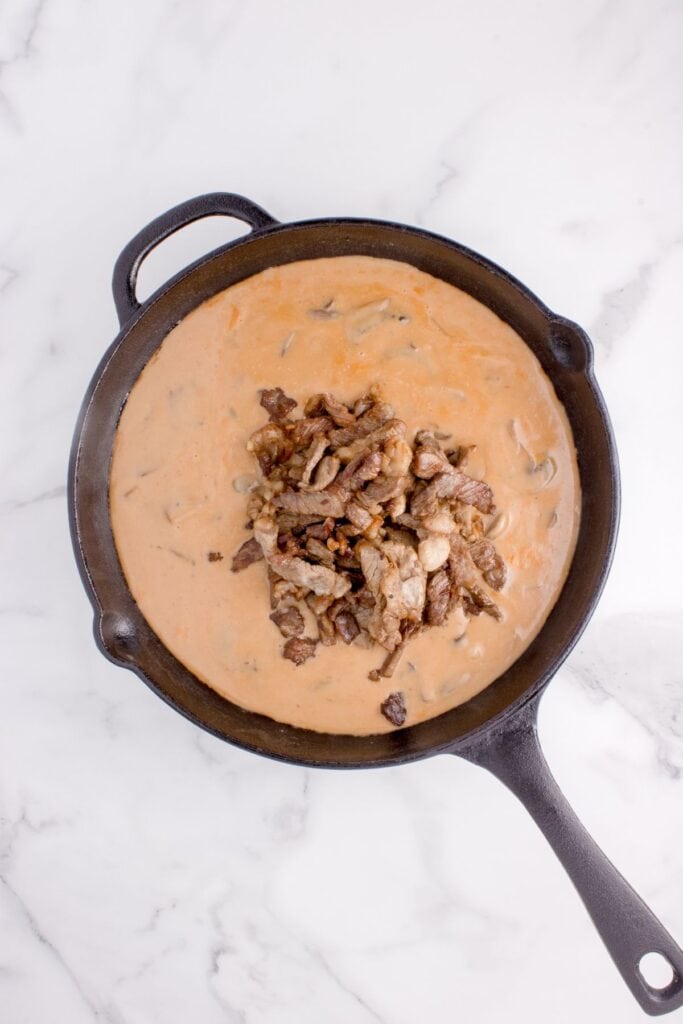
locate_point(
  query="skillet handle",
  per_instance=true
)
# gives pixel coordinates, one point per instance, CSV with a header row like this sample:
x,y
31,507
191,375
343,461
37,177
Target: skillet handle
x,y
626,925
128,264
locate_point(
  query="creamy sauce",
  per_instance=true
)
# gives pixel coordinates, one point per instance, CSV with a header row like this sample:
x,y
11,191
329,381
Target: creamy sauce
x,y
445,361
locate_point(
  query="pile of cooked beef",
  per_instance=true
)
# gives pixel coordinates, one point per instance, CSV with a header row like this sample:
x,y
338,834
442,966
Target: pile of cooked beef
x,y
381,538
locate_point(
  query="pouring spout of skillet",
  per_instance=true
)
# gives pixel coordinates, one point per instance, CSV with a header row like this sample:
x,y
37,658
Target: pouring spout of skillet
x,y
496,728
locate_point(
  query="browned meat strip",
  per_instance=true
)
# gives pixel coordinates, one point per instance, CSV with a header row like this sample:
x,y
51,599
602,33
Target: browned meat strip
x,y
377,439
289,621
384,488
397,581
429,458
384,583
346,625
489,563
248,553
270,445
438,598
336,410
328,467
317,578
299,649
413,579
427,463
297,523
358,516
276,403
321,531
394,708
461,569
320,503
477,599
314,455
360,470
449,485
301,432
319,552
376,416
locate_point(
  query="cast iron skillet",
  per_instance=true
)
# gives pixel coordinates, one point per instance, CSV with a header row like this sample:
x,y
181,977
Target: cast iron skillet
x,y
497,728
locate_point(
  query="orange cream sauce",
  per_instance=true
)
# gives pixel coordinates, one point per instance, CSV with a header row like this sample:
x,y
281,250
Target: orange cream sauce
x,y
445,361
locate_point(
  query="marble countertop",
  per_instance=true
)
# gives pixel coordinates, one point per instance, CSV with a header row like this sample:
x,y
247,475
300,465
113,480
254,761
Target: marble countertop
x,y
149,872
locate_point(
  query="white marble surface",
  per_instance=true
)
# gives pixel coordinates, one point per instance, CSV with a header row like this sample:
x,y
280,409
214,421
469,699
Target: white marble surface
x,y
150,873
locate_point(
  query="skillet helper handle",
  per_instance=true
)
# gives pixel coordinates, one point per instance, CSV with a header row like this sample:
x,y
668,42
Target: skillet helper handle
x,y
626,925
227,204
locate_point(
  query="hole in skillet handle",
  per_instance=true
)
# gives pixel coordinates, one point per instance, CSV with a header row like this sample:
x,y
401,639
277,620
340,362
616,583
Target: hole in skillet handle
x,y
570,345
227,204
658,974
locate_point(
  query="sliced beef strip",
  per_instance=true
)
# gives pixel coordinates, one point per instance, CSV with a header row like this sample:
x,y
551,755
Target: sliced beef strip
x,y
462,571
489,563
384,582
336,410
413,579
394,708
438,598
276,403
289,621
346,625
326,471
317,578
449,485
477,599
270,445
299,649
248,553
301,432
358,516
392,428
321,531
318,551
363,468
321,503
426,463
429,459
397,581
299,523
384,488
376,416
313,456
